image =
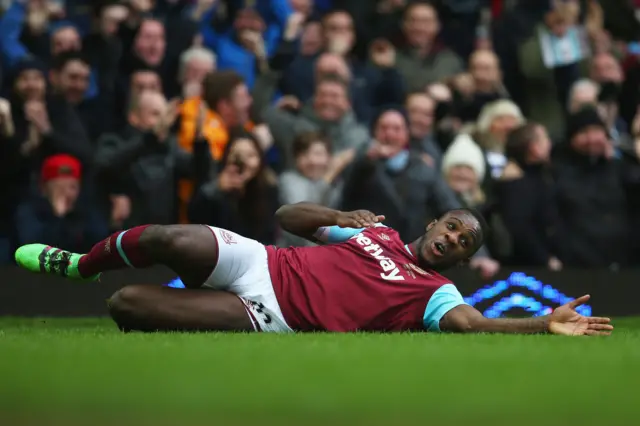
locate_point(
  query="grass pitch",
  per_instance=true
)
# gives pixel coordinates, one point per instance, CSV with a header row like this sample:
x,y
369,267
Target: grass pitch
x,y
85,372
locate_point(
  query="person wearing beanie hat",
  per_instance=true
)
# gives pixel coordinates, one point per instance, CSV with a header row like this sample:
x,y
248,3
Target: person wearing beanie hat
x,y
587,133
54,215
463,167
590,194
29,81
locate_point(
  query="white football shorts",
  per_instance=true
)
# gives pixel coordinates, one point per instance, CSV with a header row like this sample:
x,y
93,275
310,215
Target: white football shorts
x,y
243,270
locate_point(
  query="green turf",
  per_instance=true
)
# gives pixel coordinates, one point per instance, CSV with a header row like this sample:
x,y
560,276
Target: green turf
x,y
70,371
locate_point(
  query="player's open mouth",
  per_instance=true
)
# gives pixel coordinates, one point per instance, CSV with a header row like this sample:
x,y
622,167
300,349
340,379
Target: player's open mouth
x,y
438,248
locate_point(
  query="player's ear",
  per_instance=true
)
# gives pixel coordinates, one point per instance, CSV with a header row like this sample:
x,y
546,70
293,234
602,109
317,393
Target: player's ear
x,y
432,224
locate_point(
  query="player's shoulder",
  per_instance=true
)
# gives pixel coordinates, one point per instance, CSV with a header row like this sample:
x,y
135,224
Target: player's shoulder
x,y
383,232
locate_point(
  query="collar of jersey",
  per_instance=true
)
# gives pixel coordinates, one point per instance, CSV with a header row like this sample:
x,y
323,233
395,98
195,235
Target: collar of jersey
x,y
409,250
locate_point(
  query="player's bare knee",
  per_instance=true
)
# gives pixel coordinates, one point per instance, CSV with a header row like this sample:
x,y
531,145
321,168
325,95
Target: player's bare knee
x,y
122,305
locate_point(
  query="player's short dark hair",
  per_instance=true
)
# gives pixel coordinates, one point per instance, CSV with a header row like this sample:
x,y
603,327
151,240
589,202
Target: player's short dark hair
x,y
484,226
518,141
62,59
305,140
220,85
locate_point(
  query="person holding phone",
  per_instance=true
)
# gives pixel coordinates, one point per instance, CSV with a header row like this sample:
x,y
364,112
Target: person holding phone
x,y
244,195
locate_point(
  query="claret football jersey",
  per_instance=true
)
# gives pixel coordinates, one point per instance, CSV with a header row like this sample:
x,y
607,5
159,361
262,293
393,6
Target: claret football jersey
x,y
360,280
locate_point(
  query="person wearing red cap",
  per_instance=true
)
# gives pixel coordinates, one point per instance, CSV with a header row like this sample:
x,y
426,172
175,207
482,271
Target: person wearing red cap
x,y
54,214
60,179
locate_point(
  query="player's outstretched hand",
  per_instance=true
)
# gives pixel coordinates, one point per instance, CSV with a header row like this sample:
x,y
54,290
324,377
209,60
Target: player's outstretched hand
x,y
566,321
358,219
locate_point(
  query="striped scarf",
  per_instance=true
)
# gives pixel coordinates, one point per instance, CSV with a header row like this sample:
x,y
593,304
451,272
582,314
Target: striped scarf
x,y
572,47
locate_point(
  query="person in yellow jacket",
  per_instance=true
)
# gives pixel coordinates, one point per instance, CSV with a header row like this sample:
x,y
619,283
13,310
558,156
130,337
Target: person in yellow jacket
x,y
225,104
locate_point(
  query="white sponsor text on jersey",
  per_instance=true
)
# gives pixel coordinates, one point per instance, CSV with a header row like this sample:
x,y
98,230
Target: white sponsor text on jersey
x,y
391,271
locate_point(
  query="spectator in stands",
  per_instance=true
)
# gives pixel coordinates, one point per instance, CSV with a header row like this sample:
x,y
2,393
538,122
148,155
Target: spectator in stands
x,y
244,197
526,200
590,194
45,124
391,180
372,85
496,120
246,46
266,86
607,72
316,172
421,110
311,39
103,47
329,112
69,77
195,64
446,124
606,68
144,161
65,38
548,76
463,168
148,50
227,101
150,44
479,87
583,92
316,177
24,30
54,216
423,60
142,79
331,64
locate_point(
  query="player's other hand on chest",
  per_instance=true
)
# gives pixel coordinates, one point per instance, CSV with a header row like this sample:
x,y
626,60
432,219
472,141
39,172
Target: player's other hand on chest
x,y
358,219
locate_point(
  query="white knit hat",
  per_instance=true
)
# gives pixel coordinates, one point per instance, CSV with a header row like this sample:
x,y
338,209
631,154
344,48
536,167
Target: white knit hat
x,y
463,151
495,109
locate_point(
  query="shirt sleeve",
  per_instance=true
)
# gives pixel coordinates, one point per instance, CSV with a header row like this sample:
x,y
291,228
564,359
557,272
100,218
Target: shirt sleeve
x,y
335,234
443,300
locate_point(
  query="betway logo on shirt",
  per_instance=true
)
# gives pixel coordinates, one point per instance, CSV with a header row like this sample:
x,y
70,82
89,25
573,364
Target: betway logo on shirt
x,y
391,271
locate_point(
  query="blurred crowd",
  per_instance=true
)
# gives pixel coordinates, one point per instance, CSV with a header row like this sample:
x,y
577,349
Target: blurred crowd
x,y
120,113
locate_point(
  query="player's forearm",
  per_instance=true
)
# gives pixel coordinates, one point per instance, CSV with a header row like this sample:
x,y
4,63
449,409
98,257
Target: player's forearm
x,y
303,219
467,319
511,325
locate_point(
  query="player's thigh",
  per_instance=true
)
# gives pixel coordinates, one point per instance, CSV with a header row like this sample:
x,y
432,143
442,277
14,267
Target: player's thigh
x,y
191,251
203,255
154,308
242,268
238,259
